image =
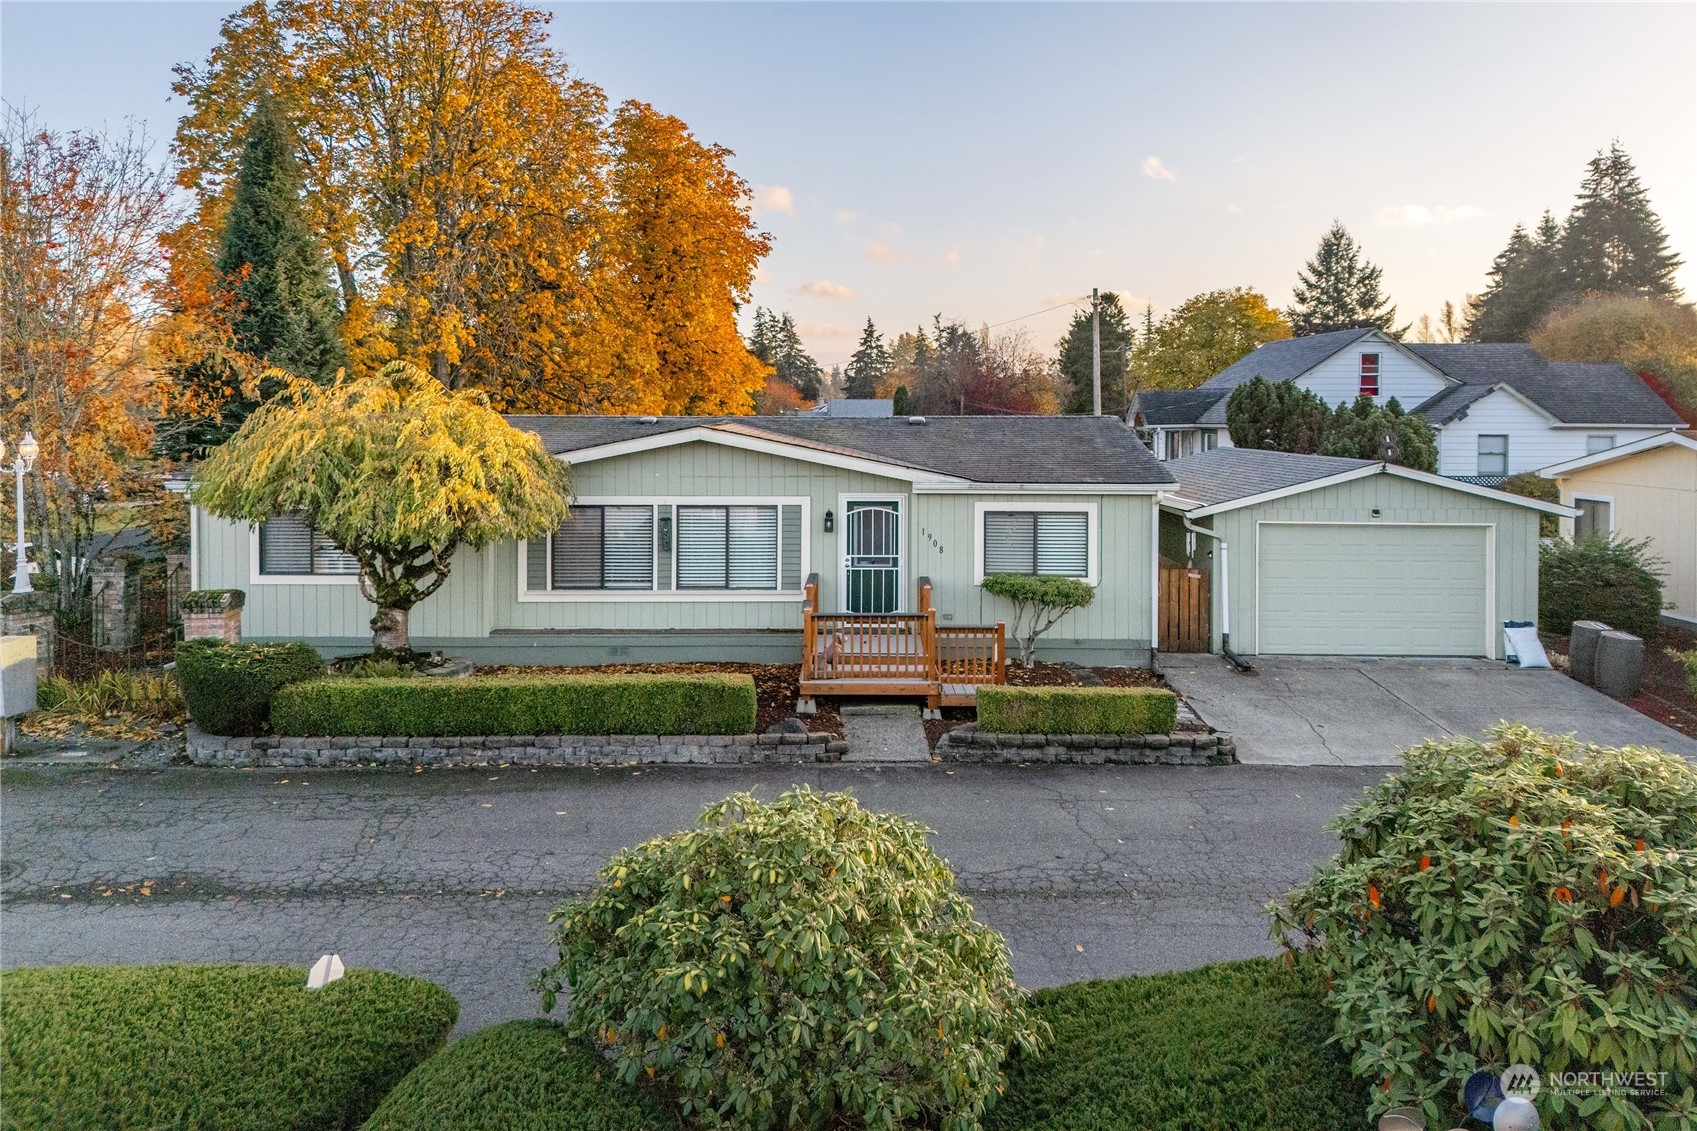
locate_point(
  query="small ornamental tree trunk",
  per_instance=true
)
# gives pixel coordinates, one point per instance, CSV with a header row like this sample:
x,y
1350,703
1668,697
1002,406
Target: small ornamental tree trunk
x,y
1038,605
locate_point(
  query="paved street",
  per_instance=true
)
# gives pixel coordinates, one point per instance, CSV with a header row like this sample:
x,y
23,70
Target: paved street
x,y
450,874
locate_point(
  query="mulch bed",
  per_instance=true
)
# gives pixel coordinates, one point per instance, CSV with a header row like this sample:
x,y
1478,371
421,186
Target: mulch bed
x,y
776,686
1663,696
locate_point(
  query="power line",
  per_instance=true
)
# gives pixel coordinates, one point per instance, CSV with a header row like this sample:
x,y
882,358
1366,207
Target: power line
x,y
1035,313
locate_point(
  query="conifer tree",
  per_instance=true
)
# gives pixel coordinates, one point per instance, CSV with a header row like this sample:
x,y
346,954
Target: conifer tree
x,y
1075,361
1525,282
869,364
287,313
1339,290
1613,242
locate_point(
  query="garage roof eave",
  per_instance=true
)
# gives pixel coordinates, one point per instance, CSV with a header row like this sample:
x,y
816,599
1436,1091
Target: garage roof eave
x,y
1379,469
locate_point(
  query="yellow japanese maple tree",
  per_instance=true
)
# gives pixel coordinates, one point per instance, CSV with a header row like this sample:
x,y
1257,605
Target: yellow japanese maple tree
x,y
393,469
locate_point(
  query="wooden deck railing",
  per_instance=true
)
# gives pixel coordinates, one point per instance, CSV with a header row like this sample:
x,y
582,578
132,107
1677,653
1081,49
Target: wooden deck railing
x,y
898,653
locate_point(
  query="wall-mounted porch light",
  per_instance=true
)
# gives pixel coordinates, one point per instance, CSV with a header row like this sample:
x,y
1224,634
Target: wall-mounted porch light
x,y
830,522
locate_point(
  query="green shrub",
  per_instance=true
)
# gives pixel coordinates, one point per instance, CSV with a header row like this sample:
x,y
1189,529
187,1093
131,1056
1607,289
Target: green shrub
x,y
1077,710
802,962
1525,900
1234,1047
370,667
1038,604
521,1076
229,687
574,704
1614,580
153,698
1531,485
1689,659
208,1048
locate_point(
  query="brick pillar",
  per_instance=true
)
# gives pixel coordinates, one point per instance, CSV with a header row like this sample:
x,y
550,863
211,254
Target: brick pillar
x,y
117,605
214,614
31,614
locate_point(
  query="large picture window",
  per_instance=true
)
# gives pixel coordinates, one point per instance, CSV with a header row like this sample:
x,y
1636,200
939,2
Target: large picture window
x,y
1044,543
656,547
289,547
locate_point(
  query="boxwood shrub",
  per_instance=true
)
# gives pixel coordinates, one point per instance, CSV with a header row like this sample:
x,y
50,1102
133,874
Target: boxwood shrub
x,y
229,687
573,704
520,1076
801,962
1527,900
1232,1047
208,1048
1077,710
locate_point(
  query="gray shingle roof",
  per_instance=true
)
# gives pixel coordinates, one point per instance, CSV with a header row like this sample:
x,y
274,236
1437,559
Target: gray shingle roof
x,y
980,449
1572,392
1225,474
1175,406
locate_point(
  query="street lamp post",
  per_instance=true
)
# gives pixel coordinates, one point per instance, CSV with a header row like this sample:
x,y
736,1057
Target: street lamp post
x,y
27,451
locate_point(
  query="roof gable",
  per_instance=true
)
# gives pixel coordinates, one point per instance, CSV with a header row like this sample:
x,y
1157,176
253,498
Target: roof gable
x,y
1623,451
1565,391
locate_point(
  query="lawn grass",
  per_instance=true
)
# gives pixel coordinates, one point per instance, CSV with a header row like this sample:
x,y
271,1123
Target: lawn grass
x,y
208,1048
521,1076
1239,1046
1235,1047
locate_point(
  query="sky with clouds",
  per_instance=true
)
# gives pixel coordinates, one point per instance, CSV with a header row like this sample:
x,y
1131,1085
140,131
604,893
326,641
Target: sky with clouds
x,y
988,161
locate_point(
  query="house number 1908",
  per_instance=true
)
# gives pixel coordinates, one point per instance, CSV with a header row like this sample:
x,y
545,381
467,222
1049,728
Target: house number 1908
x,y
931,538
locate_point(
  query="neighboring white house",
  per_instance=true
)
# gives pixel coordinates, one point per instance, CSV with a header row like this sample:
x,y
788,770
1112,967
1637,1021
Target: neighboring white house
x,y
1498,408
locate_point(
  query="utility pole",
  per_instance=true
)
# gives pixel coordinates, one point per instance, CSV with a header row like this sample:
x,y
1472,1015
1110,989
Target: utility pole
x,y
1096,351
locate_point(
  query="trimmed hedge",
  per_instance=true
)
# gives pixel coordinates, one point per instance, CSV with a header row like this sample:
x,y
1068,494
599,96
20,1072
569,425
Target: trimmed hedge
x,y
229,687
1222,1048
1230,1047
521,1076
574,704
208,1048
1077,710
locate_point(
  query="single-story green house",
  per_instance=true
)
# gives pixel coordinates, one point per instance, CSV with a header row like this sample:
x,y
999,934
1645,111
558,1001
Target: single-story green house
x,y
697,539
1317,555
694,538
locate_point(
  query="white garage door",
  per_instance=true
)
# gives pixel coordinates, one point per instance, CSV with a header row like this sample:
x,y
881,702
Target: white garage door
x,y
1370,590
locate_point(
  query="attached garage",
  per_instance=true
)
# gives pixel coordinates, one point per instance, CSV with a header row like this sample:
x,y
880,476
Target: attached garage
x,y
1312,555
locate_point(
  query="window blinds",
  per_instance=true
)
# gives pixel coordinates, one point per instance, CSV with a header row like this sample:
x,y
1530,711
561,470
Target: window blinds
x,y
727,547
1052,544
288,546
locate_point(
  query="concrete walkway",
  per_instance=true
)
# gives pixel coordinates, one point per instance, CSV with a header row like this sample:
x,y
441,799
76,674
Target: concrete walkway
x,y
1350,711
885,732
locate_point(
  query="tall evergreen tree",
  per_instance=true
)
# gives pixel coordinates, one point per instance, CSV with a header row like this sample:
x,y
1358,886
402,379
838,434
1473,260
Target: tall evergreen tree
x,y
1075,362
869,364
1339,290
287,313
1525,282
776,342
1614,243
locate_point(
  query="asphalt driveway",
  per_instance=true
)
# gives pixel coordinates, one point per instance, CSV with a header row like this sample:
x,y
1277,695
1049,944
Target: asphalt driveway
x,y
1350,711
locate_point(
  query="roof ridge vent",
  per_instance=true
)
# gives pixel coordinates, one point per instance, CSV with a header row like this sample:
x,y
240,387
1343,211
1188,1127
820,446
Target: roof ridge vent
x,y
648,420
916,420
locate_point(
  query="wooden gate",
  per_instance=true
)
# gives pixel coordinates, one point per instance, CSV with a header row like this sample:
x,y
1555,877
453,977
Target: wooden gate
x,y
1186,596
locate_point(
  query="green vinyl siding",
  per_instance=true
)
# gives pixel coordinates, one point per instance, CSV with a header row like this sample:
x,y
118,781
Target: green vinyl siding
x,y
1514,547
479,612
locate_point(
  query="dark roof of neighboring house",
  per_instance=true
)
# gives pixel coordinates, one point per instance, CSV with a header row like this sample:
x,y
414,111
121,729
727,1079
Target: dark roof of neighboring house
x,y
1572,392
979,449
1175,406
857,407
1278,361
1225,474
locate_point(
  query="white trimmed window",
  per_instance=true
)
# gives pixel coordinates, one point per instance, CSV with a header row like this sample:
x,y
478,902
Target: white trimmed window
x,y
1042,543
1595,444
1493,455
658,547
289,547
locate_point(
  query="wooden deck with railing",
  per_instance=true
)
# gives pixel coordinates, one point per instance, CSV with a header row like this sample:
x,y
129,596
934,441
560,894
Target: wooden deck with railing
x,y
898,654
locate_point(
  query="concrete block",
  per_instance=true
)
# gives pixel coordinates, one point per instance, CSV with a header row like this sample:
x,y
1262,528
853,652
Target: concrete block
x,y
1620,664
1582,650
